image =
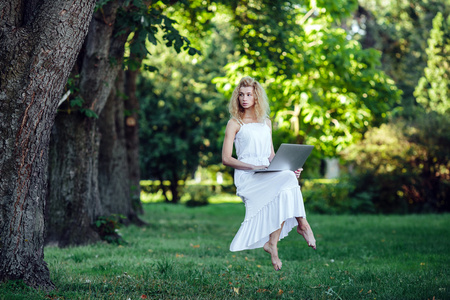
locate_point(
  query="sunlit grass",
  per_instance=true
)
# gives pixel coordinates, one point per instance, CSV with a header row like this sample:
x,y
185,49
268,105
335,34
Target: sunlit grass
x,y
183,254
216,199
224,198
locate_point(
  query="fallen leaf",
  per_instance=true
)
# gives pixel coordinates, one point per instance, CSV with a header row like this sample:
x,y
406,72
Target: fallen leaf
x,y
280,292
144,297
236,290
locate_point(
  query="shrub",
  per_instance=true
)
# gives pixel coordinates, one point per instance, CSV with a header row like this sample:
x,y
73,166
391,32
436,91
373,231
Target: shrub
x,y
333,197
199,194
107,228
403,166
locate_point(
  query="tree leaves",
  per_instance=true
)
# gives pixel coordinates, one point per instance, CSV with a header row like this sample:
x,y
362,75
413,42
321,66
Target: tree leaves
x,y
433,90
146,23
323,86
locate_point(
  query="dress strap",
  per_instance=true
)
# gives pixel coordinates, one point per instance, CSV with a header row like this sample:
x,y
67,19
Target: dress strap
x,y
239,121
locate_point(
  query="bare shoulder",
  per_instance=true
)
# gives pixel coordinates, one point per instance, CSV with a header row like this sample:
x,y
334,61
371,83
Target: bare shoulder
x,y
269,123
233,126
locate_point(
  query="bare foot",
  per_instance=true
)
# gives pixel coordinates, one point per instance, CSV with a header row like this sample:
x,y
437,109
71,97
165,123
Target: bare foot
x,y
304,230
273,251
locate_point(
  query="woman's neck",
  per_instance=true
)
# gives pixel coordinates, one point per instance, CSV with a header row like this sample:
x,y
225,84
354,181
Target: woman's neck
x,y
250,115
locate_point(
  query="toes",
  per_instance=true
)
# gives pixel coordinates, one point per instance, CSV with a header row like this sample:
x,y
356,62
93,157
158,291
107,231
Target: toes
x,y
277,266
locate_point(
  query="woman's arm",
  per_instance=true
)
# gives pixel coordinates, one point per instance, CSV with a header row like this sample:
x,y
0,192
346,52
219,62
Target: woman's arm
x,y
272,151
227,149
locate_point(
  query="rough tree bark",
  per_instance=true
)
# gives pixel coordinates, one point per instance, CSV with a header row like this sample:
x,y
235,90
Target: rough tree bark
x,y
132,138
39,43
74,201
113,178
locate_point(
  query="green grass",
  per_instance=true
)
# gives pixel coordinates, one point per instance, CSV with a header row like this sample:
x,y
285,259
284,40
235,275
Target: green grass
x,y
183,254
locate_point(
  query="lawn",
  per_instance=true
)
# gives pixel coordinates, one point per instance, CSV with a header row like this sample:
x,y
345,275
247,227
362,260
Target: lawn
x,y
183,254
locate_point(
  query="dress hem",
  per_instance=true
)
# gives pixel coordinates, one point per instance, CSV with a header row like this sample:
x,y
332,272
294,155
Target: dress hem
x,y
255,231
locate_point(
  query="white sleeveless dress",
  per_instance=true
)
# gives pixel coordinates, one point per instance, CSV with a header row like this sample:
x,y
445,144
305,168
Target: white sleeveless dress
x,y
270,198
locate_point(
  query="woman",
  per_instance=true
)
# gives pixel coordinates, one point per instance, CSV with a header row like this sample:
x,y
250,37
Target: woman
x,y
273,200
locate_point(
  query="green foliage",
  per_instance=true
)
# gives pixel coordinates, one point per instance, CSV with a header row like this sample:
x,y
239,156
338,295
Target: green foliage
x,y
199,195
100,3
89,113
153,190
323,87
404,167
400,30
433,90
182,114
173,134
76,101
335,197
429,133
145,21
108,226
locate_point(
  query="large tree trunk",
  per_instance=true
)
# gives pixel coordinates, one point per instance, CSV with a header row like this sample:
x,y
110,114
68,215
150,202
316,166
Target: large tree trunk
x,y
39,42
132,138
75,203
74,170
113,164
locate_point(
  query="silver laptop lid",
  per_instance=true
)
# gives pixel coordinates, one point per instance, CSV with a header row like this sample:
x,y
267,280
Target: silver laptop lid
x,y
289,157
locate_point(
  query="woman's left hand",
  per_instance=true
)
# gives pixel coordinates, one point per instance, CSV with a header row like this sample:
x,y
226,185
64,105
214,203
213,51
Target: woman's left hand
x,y
297,173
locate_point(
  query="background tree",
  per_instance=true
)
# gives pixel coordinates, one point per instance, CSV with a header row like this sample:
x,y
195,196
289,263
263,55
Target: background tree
x,y
399,30
406,163
131,111
324,88
75,199
39,42
182,112
433,90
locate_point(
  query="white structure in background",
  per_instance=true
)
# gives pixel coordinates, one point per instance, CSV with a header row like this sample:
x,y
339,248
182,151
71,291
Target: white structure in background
x,y
219,178
331,168
198,175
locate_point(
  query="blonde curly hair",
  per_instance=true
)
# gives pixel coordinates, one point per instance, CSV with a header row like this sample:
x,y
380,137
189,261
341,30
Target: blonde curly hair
x,y
262,108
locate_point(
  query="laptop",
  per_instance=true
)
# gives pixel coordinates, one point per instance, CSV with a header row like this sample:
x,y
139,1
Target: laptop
x,y
288,157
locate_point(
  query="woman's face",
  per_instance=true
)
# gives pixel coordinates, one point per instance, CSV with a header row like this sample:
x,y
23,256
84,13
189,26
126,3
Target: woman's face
x,y
246,99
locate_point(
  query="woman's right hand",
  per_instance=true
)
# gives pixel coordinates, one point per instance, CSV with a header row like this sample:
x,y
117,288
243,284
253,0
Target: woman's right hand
x,y
259,167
